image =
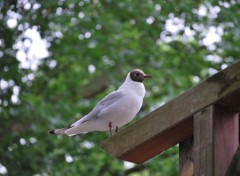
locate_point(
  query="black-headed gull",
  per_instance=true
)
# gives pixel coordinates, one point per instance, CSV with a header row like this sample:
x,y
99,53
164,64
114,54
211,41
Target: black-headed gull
x,y
114,110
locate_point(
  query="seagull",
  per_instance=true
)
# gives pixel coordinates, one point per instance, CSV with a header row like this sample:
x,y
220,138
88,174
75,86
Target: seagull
x,y
114,110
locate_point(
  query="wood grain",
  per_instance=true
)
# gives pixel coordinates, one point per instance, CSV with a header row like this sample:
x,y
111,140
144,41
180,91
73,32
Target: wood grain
x,y
215,140
234,168
173,122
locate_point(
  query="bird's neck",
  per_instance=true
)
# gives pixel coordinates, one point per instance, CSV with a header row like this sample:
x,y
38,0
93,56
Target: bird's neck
x,y
135,87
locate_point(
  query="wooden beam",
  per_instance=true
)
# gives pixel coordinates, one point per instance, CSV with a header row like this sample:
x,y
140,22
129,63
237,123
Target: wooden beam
x,y
173,122
186,165
203,142
161,142
226,131
215,140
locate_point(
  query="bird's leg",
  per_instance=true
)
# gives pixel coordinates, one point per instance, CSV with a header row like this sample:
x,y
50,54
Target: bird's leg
x,y
116,130
110,128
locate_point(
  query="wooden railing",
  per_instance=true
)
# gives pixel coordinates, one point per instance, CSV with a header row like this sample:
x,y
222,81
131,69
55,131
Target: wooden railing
x,y
203,120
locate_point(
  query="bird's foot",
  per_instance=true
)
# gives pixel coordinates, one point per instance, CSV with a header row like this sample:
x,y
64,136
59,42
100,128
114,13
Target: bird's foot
x,y
110,128
116,130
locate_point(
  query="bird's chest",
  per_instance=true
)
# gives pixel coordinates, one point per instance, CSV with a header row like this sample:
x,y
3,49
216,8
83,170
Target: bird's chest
x,y
131,103
129,108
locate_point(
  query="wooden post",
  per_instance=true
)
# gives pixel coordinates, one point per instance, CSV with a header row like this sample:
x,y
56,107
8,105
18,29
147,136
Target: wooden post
x,y
186,165
208,112
215,140
234,169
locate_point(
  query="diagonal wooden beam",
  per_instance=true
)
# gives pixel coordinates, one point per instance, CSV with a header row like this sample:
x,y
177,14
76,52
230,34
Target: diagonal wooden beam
x,y
173,122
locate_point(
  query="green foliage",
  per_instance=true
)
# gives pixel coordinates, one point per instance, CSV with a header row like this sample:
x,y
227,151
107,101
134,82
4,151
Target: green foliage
x,y
91,46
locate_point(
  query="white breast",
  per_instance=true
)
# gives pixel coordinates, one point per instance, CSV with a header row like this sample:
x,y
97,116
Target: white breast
x,y
131,103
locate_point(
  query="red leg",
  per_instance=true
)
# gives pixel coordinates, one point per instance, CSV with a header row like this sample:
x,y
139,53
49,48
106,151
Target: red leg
x,y
116,130
110,128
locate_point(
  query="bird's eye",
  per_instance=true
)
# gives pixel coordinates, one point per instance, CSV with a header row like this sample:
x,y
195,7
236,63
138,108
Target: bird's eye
x,y
136,74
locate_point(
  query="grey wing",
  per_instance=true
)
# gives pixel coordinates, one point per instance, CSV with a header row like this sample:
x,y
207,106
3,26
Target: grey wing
x,y
104,103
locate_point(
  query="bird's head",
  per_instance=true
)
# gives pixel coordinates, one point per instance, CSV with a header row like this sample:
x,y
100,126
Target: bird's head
x,y
138,75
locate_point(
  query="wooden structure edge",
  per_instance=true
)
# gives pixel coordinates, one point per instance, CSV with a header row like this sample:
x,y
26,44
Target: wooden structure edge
x,y
173,122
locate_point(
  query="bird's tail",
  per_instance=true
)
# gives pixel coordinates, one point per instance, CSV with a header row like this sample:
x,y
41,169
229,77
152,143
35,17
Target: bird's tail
x,y
58,131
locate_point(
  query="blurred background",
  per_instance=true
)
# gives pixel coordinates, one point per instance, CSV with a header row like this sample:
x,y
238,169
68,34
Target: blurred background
x,y
59,58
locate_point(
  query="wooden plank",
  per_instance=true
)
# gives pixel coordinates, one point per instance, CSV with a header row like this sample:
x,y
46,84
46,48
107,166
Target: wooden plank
x,y
145,138
186,165
203,142
234,168
161,142
215,140
226,131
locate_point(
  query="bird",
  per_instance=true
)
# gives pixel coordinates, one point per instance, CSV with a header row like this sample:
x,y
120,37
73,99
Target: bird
x,y
114,110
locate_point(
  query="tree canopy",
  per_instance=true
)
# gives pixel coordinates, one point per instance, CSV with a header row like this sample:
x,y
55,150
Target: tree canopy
x,y
59,58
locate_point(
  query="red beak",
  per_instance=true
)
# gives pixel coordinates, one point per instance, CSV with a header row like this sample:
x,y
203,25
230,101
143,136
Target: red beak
x,y
147,76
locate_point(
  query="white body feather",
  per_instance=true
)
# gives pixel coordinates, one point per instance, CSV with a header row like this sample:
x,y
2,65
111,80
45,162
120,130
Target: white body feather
x,y
117,108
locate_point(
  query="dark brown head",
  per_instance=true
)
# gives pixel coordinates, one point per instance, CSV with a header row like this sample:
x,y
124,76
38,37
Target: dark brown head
x,y
138,75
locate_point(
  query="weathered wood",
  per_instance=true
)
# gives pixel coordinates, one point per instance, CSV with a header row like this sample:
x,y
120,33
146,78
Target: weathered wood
x,y
172,123
226,133
152,146
186,165
203,142
234,169
215,140
163,141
